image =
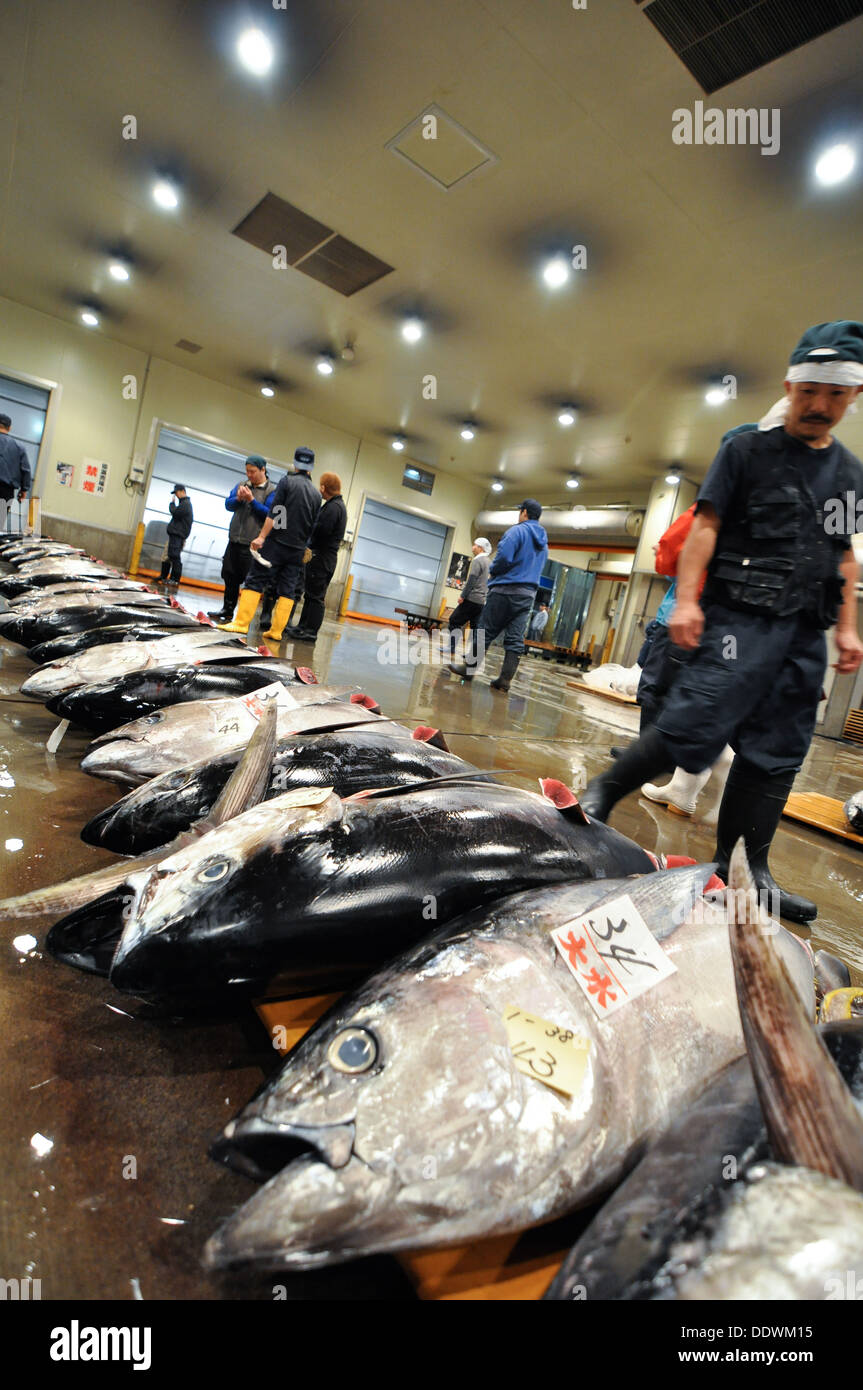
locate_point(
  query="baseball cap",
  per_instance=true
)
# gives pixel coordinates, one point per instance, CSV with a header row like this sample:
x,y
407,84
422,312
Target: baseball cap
x,y
305,459
179,487
256,461
6,420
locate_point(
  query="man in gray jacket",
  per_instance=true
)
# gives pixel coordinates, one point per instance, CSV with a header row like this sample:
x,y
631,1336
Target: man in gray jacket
x,y
474,591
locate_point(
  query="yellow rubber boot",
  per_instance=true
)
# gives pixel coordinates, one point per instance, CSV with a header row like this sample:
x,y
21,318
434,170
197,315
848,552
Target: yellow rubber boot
x,y
282,611
247,607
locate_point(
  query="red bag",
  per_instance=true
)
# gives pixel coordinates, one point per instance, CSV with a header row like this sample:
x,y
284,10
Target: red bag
x,y
672,541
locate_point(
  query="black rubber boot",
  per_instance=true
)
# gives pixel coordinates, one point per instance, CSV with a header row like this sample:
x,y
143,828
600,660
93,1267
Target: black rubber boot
x,y
222,616
507,671
617,748
751,806
641,762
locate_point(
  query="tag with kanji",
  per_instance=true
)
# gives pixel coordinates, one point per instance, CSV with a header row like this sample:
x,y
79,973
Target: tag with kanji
x,y
613,954
556,1056
257,701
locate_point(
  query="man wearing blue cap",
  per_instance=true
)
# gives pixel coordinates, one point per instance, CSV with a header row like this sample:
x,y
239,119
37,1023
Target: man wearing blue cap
x,y
279,548
513,579
249,505
776,549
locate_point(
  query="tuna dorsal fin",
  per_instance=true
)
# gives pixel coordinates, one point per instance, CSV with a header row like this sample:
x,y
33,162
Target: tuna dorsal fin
x,y
359,698
306,675
455,779
564,798
248,782
810,1117
433,737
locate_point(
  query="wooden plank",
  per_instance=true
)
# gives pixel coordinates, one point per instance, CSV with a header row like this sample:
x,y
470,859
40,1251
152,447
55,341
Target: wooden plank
x,y
613,695
822,813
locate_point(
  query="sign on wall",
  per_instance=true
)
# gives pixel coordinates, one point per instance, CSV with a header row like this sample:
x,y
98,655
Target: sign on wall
x,y
458,568
94,477
65,474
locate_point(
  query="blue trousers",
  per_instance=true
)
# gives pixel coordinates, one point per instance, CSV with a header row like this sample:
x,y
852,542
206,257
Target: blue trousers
x,y
505,613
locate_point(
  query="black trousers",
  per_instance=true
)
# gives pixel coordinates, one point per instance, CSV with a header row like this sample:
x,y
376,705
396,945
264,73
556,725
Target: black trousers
x,y
7,492
173,562
316,580
235,567
465,612
284,574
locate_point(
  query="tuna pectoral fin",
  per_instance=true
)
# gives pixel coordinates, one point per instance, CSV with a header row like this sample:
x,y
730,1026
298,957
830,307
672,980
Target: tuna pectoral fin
x,y
88,938
561,796
458,779
249,780
810,1116
75,892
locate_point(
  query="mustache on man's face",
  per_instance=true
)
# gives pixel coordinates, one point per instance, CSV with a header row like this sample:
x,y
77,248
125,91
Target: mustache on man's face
x,y
815,420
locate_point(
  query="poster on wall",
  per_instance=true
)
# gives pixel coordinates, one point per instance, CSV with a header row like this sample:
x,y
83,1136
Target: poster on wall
x,y
458,568
65,474
94,477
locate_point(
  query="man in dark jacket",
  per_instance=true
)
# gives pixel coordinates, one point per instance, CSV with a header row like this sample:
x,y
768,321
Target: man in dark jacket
x,y
327,535
513,581
178,533
249,505
280,547
14,468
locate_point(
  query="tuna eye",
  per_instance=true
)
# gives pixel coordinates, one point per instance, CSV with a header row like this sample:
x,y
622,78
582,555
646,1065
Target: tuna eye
x,y
215,871
153,718
176,780
352,1051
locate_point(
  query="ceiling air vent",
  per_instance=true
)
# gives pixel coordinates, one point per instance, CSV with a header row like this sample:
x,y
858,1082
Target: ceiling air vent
x,y
310,246
720,41
187,346
437,146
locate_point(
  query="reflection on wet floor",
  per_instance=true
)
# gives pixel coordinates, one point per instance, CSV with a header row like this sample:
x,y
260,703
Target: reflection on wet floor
x,y
105,1183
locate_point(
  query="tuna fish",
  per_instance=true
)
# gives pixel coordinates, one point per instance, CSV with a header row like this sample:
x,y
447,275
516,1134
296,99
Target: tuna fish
x,y
403,1120
171,622
318,895
93,597
172,737
380,754
28,631
119,659
13,586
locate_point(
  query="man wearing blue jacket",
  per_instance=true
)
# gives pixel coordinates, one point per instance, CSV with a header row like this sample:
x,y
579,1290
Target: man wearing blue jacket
x,y
249,503
513,580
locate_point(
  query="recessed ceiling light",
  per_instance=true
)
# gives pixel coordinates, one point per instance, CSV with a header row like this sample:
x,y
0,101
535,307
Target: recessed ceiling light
x,y
398,444
572,482
672,477
497,487
412,330
91,319
567,417
716,396
255,51
118,270
467,432
325,365
267,391
835,164
166,194
555,272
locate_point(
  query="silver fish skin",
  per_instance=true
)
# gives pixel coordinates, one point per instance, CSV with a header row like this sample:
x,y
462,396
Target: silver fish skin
x,y
90,597
44,596
442,1140
180,734
117,659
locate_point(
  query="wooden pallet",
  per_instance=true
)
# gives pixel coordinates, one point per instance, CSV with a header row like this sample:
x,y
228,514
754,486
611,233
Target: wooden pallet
x,y
513,1266
822,813
613,695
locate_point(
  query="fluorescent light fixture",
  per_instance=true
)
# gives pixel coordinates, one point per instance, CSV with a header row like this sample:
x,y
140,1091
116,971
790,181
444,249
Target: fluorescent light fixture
x,y
255,52
412,330
497,487
716,396
467,432
572,482
835,164
166,194
267,391
325,365
118,270
398,444
567,417
555,272
91,319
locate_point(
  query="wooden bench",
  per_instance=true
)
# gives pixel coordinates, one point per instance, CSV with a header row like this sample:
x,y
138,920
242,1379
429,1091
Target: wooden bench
x,y
419,620
549,652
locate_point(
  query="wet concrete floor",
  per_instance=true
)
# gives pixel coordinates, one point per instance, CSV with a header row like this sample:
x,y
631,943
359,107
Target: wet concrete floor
x,y
106,1190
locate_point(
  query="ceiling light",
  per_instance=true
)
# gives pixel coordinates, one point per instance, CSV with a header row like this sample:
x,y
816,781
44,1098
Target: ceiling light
x,y
567,416
467,432
835,164
716,396
398,444
497,486
118,270
255,51
268,390
555,272
572,482
91,319
166,194
325,365
412,330
673,477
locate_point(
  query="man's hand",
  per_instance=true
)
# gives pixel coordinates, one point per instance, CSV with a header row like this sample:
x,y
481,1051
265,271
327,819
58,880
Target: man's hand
x,y
461,600
257,543
686,625
850,650
22,496
243,493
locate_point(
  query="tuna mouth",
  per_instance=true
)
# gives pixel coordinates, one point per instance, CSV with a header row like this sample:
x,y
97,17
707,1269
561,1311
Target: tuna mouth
x,y
259,1149
88,937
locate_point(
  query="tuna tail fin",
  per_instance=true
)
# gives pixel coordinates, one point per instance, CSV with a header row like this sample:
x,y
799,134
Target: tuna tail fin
x,y
562,796
810,1117
249,780
433,737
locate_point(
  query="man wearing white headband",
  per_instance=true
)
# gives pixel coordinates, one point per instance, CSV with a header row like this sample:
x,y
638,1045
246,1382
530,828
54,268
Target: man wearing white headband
x,y
776,548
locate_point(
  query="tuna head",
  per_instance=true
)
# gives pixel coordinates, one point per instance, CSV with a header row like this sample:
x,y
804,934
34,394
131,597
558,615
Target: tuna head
x,y
192,917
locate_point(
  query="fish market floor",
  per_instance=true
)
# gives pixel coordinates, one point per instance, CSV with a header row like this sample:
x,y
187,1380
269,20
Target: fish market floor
x,y
106,1190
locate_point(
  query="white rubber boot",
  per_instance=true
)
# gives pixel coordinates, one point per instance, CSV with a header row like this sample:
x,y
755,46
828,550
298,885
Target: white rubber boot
x,y
681,793
721,769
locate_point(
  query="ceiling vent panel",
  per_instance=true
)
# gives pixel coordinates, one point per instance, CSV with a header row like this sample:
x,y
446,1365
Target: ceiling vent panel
x,y
720,41
437,146
273,222
187,345
344,266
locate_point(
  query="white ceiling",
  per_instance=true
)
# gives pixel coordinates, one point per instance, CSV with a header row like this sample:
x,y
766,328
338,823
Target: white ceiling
x,y
699,258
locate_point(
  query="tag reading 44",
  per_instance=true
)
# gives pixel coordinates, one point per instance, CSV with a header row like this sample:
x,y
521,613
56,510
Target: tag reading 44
x,y
541,1049
613,954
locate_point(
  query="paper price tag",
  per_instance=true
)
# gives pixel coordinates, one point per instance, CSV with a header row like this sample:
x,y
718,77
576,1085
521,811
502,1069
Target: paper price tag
x,y
556,1056
613,954
257,701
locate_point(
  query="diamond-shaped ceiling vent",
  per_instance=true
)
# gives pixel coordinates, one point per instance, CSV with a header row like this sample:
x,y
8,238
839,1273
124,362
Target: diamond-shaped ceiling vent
x,y
440,148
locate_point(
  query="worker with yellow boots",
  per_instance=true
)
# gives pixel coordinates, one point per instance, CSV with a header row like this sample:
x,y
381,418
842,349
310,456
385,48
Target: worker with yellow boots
x,y
277,552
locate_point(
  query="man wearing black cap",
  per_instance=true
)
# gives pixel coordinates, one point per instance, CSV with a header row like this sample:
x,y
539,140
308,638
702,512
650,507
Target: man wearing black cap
x,y
14,467
249,504
772,531
279,548
512,584
178,533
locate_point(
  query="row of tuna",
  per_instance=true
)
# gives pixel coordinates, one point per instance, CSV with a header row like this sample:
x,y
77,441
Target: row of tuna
x,y
497,1061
